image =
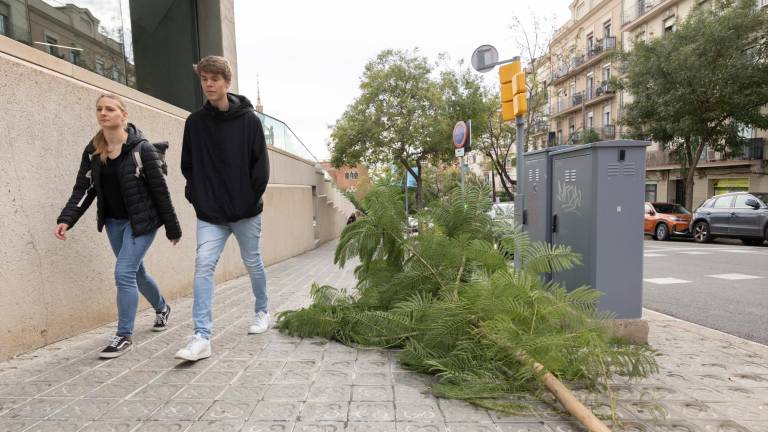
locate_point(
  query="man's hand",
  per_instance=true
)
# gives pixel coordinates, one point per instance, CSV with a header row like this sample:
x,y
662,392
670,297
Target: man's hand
x,y
61,231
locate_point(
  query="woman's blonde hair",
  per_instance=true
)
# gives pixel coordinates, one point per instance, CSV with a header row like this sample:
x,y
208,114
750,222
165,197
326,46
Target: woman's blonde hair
x,y
99,141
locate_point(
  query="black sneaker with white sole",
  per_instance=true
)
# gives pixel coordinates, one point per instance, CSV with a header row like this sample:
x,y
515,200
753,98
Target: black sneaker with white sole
x,y
119,346
161,319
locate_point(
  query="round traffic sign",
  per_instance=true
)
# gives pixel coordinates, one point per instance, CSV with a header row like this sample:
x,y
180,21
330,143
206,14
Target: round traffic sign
x,y
485,58
460,134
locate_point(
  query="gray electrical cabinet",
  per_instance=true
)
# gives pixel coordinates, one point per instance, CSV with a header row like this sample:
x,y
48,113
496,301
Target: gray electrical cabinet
x,y
598,193
537,212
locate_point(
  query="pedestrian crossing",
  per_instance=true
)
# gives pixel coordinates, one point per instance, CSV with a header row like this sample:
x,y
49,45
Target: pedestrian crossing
x,y
725,276
665,252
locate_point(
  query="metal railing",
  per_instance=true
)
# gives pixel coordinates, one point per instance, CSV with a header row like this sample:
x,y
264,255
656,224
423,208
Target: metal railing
x,y
600,47
565,103
637,9
539,126
606,132
753,150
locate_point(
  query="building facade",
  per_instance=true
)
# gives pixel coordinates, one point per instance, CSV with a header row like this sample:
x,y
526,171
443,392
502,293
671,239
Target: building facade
x,y
349,178
716,172
581,99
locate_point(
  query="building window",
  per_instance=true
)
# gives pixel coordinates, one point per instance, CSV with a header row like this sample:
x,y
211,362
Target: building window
x,y
51,46
590,43
607,115
607,29
580,10
650,193
606,73
640,36
589,120
669,25
99,66
5,22
75,55
590,85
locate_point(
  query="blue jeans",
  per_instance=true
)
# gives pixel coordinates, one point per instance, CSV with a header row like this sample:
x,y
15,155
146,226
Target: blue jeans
x,y
130,275
211,239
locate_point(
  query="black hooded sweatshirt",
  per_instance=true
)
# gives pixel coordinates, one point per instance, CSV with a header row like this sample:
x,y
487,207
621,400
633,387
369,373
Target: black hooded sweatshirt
x,y
224,159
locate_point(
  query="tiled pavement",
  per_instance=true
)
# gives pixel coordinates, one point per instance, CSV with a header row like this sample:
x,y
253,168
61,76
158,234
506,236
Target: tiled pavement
x,y
275,383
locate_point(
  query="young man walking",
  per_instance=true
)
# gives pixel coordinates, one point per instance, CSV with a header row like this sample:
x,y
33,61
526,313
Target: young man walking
x,y
224,159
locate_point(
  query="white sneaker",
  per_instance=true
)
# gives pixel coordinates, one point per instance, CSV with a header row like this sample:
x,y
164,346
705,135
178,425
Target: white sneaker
x,y
261,325
197,348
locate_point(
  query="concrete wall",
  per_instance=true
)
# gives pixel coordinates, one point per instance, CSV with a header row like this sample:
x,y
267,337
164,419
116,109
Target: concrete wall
x,y
49,289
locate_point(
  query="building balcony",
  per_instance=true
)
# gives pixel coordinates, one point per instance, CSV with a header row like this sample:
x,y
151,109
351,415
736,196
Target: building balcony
x,y
580,62
565,105
606,132
754,150
639,12
635,10
539,126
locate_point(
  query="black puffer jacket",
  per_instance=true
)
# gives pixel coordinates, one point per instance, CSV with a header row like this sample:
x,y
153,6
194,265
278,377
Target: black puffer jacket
x,y
146,196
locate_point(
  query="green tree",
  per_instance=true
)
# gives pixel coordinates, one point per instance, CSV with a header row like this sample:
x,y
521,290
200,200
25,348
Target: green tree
x,y
532,38
590,136
497,143
393,119
698,87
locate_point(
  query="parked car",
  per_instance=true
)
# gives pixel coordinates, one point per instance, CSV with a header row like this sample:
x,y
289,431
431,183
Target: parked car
x,y
741,215
664,220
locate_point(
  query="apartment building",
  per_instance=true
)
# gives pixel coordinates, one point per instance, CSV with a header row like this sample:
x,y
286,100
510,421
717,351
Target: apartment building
x,y
716,172
581,98
538,129
579,91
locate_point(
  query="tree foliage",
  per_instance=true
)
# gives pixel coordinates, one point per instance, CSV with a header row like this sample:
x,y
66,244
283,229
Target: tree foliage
x,y
451,301
405,114
697,87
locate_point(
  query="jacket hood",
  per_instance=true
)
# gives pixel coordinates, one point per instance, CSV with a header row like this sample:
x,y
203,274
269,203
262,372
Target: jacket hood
x,y
135,136
239,105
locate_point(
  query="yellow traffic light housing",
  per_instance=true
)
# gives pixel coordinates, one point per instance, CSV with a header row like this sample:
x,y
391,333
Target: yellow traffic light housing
x,y
512,91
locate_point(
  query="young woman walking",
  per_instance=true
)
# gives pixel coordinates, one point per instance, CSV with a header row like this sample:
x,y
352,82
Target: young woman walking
x,y
124,173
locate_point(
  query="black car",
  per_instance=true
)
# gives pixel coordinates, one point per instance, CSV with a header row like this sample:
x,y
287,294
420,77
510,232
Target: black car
x,y
742,215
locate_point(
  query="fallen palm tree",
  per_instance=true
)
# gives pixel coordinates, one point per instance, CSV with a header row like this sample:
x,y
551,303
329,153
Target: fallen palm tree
x,y
451,300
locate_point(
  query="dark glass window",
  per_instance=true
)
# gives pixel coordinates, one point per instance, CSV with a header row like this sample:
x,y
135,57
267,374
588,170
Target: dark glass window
x,y
5,22
650,192
148,45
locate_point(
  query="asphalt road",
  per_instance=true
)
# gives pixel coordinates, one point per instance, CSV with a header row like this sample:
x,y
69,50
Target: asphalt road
x,y
721,285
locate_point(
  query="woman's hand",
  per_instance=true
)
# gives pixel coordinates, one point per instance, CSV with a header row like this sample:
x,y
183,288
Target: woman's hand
x,y
175,241
61,231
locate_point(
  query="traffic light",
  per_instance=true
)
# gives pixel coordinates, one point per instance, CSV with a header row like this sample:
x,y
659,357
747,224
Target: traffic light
x,y
513,91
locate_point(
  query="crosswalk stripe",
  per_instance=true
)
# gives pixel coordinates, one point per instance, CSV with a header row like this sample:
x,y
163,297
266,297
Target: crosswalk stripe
x,y
666,281
734,276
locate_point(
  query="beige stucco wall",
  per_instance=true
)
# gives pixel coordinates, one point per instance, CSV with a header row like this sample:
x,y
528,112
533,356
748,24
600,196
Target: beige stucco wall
x,y
51,289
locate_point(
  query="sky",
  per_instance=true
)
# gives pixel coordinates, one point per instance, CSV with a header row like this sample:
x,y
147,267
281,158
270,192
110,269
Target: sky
x,y
309,55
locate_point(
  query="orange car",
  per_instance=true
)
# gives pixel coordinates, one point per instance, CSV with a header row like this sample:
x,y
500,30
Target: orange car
x,y
663,220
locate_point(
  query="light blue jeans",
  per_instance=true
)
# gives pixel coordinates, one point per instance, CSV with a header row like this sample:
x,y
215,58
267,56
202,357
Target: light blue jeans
x,y
211,239
131,278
